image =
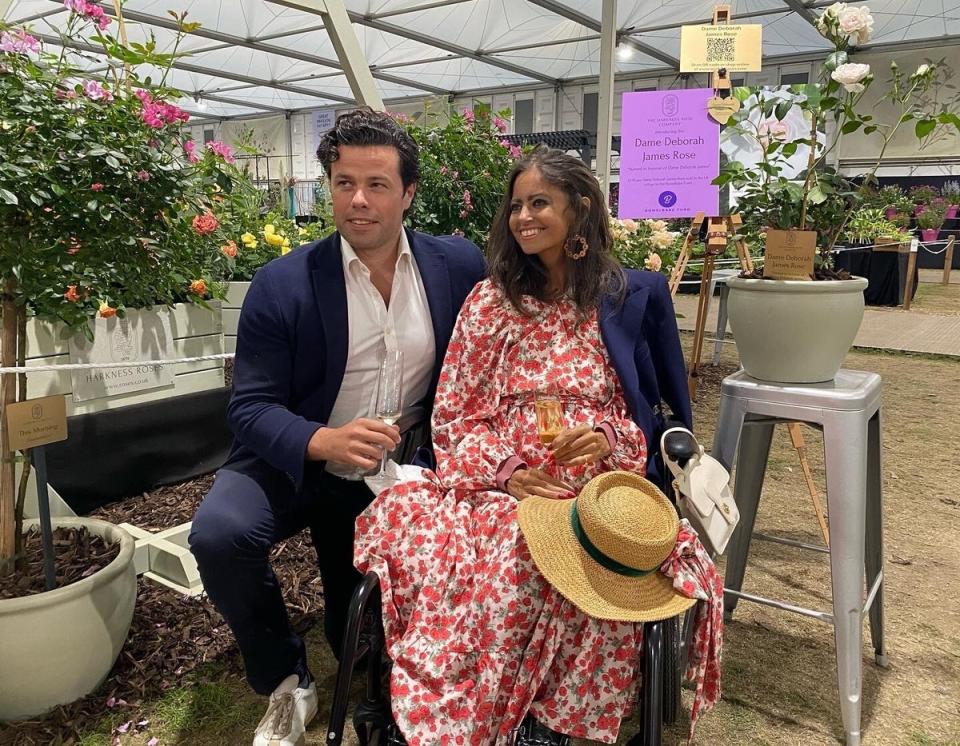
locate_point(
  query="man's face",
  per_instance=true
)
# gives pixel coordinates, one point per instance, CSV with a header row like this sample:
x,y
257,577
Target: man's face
x,y
368,197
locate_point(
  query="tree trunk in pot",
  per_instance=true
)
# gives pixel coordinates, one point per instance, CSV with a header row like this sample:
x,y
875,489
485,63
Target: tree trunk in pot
x,y
8,395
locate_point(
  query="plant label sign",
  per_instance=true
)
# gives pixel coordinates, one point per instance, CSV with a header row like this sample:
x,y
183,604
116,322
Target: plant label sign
x,y
37,422
733,47
144,335
669,155
789,254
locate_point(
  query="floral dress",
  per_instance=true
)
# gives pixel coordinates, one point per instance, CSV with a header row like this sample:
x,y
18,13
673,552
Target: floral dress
x,y
477,636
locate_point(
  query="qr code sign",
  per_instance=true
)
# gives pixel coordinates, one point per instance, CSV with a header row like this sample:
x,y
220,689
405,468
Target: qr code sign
x,y
720,48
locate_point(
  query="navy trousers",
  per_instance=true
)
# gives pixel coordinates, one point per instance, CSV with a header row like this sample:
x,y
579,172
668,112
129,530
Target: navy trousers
x,y
243,516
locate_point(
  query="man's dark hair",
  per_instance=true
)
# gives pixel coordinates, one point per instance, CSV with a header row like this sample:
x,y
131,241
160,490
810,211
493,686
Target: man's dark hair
x,y
367,127
588,279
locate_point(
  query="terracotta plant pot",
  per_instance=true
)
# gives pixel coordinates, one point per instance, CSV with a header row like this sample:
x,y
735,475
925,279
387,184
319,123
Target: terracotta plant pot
x,y
60,645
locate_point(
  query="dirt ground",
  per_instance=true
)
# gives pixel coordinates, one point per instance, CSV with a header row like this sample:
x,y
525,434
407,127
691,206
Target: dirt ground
x,y
779,674
779,677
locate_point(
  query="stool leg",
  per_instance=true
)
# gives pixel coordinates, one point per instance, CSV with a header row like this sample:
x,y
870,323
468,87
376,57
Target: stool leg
x,y
727,435
721,323
845,456
651,705
748,483
874,529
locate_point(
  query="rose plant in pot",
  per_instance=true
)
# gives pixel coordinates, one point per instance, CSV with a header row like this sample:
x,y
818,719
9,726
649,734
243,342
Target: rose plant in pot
x,y
931,220
951,194
798,330
105,205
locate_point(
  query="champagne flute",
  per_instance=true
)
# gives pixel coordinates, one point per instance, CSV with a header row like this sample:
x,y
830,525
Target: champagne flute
x,y
389,396
549,415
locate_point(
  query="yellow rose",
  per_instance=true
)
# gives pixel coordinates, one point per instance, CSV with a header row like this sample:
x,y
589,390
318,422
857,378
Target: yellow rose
x,y
274,239
268,228
285,250
248,238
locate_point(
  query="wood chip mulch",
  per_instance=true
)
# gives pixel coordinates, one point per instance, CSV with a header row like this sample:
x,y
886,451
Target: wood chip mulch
x,y
171,634
77,554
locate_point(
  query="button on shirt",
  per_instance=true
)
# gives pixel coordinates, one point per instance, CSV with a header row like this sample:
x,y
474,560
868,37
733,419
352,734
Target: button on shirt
x,y
373,326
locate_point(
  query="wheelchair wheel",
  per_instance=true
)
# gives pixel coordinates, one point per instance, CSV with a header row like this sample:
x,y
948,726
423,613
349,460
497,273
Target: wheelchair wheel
x,y
672,673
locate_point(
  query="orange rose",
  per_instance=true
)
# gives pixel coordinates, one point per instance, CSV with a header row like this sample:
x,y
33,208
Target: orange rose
x,y
106,311
229,249
71,294
205,224
198,287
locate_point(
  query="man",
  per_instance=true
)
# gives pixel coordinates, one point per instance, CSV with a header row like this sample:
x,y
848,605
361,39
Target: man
x,y
313,326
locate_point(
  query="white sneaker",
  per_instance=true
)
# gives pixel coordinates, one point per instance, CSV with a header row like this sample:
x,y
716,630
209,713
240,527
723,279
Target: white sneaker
x,y
290,711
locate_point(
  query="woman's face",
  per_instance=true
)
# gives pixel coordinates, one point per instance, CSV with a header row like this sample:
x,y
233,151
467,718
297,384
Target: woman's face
x,y
540,217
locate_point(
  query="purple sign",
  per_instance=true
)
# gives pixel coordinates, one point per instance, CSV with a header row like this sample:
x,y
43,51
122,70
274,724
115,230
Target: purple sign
x,y
669,154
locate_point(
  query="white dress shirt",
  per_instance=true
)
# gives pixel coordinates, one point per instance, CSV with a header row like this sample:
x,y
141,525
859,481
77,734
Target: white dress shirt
x,y
373,326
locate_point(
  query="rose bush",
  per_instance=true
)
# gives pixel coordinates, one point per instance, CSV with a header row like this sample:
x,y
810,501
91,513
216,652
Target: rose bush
x,y
789,184
464,164
105,204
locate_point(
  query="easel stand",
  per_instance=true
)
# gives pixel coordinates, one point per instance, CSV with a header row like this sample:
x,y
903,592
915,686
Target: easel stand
x,y
718,232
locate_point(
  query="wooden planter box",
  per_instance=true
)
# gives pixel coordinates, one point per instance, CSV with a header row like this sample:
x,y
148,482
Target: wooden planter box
x,y
196,331
236,292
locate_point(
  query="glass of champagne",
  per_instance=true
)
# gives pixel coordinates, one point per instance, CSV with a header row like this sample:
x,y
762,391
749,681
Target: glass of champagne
x,y
389,396
549,417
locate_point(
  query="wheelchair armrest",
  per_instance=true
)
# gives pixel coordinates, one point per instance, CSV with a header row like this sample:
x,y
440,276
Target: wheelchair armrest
x,y
680,446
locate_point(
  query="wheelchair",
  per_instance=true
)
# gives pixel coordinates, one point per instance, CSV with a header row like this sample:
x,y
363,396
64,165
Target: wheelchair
x,y
664,659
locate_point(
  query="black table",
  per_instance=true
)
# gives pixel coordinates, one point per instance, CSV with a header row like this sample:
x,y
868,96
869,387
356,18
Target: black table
x,y
885,270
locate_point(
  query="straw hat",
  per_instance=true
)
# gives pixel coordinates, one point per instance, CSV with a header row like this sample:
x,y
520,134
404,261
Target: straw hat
x,y
602,551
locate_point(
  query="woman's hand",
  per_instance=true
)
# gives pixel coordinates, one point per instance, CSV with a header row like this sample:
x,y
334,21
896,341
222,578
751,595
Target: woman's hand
x,y
537,483
579,445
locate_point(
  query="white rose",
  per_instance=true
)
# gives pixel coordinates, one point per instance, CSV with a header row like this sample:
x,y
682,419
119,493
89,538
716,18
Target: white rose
x,y
662,239
850,76
830,14
921,71
856,24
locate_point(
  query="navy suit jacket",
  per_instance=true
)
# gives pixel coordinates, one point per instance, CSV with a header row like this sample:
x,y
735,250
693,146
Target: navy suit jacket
x,y
644,345
292,344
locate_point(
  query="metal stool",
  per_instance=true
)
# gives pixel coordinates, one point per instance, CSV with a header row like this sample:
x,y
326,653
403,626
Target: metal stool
x,y
847,410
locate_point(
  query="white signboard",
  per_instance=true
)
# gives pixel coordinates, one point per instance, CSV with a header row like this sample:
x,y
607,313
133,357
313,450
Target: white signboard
x,y
323,120
142,335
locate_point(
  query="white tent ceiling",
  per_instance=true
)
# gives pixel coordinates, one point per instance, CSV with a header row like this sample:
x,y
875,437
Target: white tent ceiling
x,y
255,56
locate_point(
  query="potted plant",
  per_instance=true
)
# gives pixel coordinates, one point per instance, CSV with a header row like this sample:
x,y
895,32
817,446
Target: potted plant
x,y
951,193
104,206
800,330
890,199
922,194
930,222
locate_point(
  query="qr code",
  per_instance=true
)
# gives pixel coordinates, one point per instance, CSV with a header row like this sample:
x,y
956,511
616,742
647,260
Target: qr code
x,y
720,48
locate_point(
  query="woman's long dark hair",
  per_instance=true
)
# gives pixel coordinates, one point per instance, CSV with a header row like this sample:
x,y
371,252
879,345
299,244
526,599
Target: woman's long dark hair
x,y
588,279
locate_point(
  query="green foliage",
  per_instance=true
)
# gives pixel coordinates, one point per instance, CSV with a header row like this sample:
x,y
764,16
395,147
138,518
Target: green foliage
x,y
98,196
464,165
932,217
819,197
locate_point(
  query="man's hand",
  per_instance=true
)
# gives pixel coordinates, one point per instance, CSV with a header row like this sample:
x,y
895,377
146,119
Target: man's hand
x,y
579,445
359,443
536,483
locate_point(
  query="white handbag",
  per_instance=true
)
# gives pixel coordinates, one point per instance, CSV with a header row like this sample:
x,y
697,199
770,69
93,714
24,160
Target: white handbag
x,y
704,496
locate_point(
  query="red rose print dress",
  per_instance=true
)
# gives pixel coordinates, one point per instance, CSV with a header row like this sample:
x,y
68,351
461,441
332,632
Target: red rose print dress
x,y
477,637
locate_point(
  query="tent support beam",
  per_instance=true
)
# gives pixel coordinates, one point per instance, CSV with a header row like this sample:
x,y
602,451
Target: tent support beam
x,y
608,45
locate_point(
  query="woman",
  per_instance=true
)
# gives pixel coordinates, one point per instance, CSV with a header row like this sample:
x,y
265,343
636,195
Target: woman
x,y
478,639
